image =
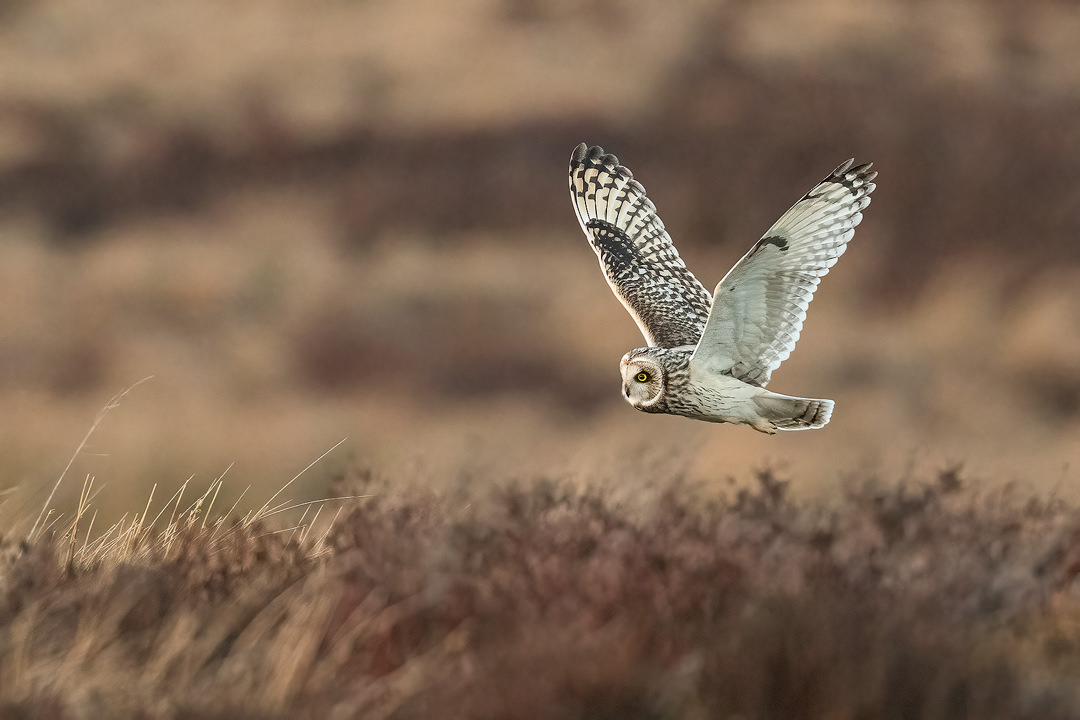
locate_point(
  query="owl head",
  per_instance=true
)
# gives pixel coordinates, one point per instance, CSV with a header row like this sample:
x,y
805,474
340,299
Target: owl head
x,y
644,379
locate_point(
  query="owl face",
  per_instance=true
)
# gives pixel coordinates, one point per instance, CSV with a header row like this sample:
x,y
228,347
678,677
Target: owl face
x,y
644,380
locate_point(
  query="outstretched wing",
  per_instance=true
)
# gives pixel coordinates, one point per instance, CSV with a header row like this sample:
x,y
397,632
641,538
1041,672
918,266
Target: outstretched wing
x,y
636,254
759,307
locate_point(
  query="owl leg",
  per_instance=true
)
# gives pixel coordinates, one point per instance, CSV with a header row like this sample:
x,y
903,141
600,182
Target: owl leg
x,y
763,426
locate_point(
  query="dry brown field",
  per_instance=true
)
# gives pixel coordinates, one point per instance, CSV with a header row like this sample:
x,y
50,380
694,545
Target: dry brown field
x,y
285,224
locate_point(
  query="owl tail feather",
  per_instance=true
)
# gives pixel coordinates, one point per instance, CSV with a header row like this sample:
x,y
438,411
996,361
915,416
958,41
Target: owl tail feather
x,y
792,413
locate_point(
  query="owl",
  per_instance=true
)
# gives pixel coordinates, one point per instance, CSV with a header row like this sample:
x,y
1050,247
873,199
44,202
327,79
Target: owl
x,y
710,355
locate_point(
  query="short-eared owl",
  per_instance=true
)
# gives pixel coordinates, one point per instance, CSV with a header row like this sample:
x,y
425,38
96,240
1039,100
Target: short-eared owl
x,y
710,355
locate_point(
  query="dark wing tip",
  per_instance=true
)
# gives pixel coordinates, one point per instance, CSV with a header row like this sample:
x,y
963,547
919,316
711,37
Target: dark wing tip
x,y
854,176
596,157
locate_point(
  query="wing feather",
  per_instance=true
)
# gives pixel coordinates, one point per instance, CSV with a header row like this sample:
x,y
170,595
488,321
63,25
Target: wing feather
x,y
636,254
758,309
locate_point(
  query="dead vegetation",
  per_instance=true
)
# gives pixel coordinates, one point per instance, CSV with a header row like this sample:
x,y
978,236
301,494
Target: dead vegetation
x,y
351,219
313,230
542,601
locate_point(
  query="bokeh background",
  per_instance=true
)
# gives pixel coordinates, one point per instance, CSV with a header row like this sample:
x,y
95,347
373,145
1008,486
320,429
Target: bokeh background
x,y
312,220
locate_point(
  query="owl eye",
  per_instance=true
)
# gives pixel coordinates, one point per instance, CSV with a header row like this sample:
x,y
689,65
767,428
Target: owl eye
x,y
642,377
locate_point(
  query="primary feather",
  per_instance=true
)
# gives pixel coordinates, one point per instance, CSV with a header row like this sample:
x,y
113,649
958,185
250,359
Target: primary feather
x,y
636,254
759,307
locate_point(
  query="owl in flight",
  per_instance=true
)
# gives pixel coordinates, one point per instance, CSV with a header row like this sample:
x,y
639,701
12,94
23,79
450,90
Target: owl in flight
x,y
710,355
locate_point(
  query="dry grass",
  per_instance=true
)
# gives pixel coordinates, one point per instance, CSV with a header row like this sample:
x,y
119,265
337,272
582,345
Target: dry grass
x,y
140,538
359,227
540,600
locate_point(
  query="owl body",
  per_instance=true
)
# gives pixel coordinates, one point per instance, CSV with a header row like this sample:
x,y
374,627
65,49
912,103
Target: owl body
x,y
710,355
672,385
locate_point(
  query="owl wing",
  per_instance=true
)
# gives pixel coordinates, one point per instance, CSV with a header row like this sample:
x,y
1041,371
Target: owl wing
x,y
759,307
636,254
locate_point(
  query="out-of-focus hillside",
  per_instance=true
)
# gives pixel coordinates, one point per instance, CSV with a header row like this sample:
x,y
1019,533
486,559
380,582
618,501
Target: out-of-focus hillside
x,y
317,220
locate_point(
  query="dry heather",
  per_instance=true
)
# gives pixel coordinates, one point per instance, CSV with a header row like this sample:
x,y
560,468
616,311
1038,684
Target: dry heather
x,y
539,601
311,221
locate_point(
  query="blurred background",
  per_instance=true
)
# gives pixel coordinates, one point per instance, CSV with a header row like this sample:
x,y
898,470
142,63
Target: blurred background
x,y
312,220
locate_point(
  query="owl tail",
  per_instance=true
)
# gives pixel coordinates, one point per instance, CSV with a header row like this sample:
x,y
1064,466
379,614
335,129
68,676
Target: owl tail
x,y
792,413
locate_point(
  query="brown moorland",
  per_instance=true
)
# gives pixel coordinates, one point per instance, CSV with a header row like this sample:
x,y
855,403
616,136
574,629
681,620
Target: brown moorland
x,y
541,600
313,221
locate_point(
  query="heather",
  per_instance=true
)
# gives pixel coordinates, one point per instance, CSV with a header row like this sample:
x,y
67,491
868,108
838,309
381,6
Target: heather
x,y
539,599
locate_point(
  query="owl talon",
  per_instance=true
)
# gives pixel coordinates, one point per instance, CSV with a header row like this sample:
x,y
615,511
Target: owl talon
x,y
764,426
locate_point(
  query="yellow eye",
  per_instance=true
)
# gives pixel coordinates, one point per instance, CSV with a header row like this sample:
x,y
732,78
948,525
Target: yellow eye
x,y
642,377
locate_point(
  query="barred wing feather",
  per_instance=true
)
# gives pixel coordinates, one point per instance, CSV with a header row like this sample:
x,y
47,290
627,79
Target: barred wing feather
x,y
636,254
759,307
